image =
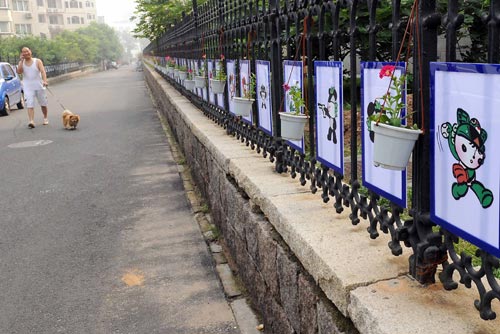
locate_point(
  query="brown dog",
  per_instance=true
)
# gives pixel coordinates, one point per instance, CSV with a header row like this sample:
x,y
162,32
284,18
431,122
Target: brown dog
x,y
70,120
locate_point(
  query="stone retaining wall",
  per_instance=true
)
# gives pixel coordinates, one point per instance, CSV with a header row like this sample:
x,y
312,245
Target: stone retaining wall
x,y
307,269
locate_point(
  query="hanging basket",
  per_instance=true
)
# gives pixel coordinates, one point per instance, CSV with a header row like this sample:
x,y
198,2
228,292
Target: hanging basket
x,y
217,86
242,106
183,75
176,73
189,84
170,70
199,82
292,126
393,145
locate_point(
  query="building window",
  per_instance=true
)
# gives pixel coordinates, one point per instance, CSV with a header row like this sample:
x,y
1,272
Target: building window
x,y
75,20
23,29
4,4
41,18
73,4
82,20
39,3
4,27
80,5
20,5
51,4
53,19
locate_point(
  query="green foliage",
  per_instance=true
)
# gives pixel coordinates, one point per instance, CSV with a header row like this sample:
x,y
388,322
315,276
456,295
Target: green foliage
x,y
249,88
297,102
154,17
91,44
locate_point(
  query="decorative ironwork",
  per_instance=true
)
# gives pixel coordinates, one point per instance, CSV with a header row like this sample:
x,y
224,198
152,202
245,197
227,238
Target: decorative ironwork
x,y
342,30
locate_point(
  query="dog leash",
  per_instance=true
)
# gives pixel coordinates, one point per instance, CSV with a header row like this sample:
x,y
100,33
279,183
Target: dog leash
x,y
55,97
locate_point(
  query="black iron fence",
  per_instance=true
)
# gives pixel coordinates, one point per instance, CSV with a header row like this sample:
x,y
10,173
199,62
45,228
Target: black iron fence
x,y
350,31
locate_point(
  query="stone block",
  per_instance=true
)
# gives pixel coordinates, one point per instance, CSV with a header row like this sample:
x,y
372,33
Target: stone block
x,y
267,260
288,285
308,298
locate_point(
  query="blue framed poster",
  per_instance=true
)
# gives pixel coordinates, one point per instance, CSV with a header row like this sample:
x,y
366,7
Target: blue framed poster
x,y
329,114
465,167
292,76
390,184
244,84
264,105
210,66
231,82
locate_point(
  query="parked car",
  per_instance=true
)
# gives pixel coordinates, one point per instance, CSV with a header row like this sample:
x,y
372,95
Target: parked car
x,y
11,89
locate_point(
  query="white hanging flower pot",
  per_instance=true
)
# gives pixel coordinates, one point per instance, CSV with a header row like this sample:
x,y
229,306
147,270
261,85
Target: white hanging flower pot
x,y
189,84
292,126
242,106
182,75
217,86
176,73
170,70
393,145
199,82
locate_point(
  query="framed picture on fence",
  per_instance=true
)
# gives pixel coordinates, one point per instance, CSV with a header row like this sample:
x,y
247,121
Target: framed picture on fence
x,y
329,114
264,105
231,82
390,184
244,76
292,76
465,165
211,95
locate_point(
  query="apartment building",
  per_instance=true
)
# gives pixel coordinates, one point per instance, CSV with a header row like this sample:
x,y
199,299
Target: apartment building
x,y
44,18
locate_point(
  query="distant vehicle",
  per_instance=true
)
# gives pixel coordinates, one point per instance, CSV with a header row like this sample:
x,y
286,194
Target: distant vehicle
x,y
11,89
113,64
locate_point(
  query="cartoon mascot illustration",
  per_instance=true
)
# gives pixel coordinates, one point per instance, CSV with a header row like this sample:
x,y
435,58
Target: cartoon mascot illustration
x,y
373,108
232,85
466,141
263,96
330,111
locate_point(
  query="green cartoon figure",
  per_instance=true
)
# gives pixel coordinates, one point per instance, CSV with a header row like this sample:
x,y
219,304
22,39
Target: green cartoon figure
x,y
466,140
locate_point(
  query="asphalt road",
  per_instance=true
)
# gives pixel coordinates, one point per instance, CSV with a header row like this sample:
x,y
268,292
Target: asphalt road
x,y
96,235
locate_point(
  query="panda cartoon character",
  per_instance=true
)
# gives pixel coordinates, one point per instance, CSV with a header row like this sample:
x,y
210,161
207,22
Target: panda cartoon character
x,y
330,111
466,140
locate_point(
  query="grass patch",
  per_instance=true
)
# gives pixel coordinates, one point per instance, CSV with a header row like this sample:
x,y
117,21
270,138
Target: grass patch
x,y
205,208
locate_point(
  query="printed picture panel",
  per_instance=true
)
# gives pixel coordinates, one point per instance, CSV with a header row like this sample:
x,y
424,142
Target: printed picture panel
x,y
390,184
465,164
244,83
264,106
329,114
231,82
210,66
292,76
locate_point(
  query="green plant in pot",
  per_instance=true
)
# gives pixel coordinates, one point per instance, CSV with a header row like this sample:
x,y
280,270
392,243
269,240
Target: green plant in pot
x,y
294,121
218,80
243,105
393,141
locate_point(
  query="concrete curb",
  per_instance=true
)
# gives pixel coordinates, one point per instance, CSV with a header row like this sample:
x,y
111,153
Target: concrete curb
x,y
345,263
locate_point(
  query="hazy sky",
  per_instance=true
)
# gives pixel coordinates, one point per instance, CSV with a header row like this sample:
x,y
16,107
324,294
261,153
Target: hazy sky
x,y
116,13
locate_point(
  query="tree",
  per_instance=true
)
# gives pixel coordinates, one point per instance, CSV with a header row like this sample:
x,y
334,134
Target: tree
x,y
154,17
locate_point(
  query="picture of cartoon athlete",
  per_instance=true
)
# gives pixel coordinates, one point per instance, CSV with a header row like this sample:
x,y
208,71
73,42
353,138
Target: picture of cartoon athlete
x,y
232,85
263,96
373,108
330,111
466,141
